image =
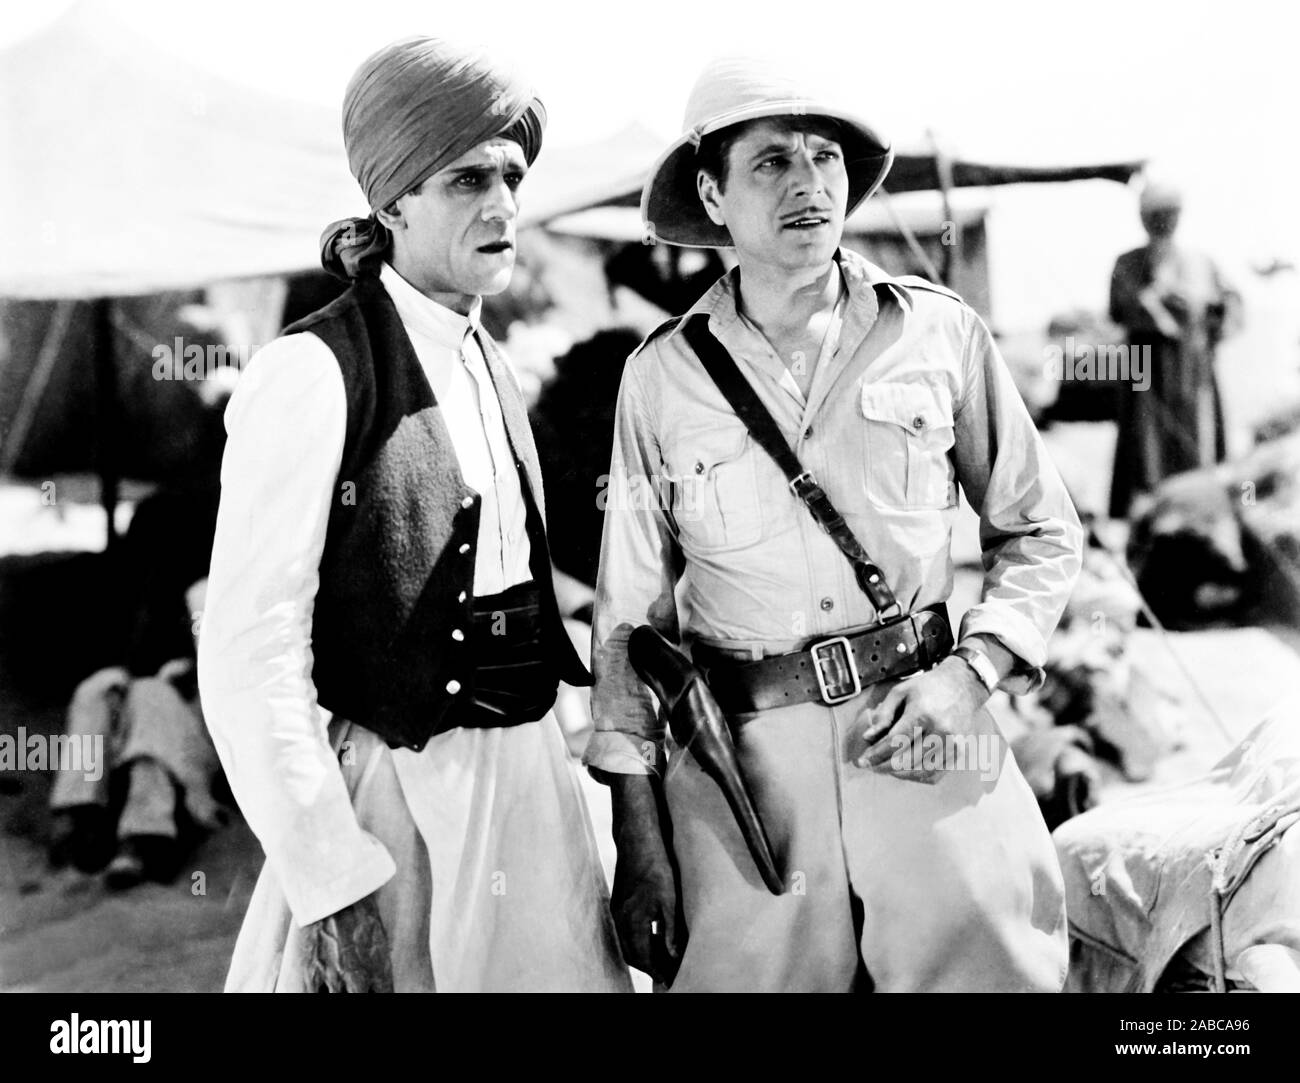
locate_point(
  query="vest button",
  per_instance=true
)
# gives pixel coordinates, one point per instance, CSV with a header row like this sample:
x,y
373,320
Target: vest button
x,y
461,596
464,548
457,635
468,502
453,687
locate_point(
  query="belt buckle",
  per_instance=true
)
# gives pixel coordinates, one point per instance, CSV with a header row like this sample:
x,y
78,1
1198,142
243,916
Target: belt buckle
x,y
843,668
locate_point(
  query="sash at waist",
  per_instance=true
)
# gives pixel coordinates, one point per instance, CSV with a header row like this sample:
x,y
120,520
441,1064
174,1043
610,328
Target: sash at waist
x,y
514,680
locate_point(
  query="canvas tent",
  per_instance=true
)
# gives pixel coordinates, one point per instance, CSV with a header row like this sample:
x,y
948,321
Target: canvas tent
x,y
132,179
128,171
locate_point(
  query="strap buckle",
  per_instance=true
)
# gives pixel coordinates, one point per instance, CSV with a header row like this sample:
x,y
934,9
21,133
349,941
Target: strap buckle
x,y
836,670
803,483
884,614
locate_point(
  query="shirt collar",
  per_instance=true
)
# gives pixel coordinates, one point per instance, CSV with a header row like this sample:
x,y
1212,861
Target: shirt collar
x,y
423,314
862,279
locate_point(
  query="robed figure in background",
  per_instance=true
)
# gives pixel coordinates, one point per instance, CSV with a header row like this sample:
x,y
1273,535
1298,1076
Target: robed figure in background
x,y
1176,307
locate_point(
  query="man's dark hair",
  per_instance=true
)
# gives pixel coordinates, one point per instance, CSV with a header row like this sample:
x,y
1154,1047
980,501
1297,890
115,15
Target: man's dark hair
x,y
714,152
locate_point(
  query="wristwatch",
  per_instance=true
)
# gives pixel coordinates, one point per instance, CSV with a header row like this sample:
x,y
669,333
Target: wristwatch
x,y
981,663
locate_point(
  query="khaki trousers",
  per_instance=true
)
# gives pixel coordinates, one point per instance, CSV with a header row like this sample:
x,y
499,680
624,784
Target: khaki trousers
x,y
946,887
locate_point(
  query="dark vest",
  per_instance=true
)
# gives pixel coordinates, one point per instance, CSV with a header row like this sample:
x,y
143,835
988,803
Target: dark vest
x,y
391,626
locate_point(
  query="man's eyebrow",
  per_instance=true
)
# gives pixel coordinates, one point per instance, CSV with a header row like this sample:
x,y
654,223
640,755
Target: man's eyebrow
x,y
480,168
770,148
784,148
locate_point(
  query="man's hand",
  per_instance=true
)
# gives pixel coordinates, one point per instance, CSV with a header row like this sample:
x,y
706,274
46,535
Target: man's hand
x,y
347,952
942,701
1154,303
645,901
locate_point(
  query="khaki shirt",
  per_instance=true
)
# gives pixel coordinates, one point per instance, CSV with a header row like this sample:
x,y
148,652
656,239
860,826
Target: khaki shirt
x,y
704,540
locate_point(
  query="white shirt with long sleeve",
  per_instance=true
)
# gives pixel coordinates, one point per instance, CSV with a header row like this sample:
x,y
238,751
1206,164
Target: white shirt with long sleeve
x,y
485,801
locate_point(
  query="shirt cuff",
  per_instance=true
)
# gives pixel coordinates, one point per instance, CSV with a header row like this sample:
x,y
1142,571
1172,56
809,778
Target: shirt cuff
x,y
368,866
619,753
1018,635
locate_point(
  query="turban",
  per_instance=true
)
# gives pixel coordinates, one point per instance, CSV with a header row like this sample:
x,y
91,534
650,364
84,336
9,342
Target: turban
x,y
1160,195
412,109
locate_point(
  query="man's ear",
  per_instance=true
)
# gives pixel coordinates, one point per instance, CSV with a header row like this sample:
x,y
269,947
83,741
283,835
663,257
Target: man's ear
x,y
391,216
707,186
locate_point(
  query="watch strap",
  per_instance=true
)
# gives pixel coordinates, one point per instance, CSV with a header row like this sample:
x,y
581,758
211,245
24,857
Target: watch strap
x,y
981,663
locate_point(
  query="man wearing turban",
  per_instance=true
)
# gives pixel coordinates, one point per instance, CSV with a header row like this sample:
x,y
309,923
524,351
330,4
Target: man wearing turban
x,y
1176,307
382,645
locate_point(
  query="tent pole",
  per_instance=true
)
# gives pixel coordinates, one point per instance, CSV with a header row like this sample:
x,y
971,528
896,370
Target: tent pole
x,y
943,172
38,379
913,244
106,420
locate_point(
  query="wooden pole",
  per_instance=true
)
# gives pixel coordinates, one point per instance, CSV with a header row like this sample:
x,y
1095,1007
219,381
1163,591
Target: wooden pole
x,y
107,422
943,173
37,381
912,241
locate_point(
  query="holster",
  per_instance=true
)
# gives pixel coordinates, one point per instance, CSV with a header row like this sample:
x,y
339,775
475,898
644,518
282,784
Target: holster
x,y
697,723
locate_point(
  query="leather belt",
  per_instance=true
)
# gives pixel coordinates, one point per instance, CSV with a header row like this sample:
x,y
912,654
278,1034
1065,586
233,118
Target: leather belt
x,y
829,669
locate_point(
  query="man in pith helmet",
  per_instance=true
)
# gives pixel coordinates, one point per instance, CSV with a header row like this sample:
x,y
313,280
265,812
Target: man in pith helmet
x,y
807,424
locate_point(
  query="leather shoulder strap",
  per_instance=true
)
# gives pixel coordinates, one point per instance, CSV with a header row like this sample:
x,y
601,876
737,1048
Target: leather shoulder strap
x,y
744,400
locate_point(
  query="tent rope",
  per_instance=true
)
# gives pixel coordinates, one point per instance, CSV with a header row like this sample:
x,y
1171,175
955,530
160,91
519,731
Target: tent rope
x,y
913,245
1166,640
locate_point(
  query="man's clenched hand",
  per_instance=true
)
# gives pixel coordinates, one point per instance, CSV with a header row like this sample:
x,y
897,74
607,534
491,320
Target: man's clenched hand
x,y
347,952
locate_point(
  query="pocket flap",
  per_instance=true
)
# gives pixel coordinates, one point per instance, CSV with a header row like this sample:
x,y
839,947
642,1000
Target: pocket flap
x,y
700,451
917,408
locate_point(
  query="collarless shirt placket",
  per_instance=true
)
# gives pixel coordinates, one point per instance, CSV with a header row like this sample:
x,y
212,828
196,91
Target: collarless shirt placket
x,y
492,519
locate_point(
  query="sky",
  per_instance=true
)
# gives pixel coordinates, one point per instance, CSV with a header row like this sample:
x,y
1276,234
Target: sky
x,y
1206,91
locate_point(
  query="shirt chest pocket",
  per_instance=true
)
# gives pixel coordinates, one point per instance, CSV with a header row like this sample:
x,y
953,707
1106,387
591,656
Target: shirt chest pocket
x,y
907,434
715,492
